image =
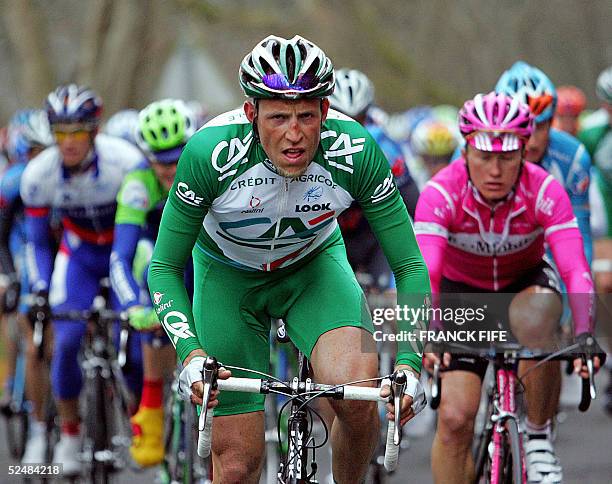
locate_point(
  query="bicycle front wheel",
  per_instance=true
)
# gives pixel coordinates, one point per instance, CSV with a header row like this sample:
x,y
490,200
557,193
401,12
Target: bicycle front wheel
x,y
482,458
97,429
513,468
17,433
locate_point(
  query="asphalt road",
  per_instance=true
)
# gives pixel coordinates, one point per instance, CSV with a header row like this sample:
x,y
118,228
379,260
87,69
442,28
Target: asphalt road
x,y
584,443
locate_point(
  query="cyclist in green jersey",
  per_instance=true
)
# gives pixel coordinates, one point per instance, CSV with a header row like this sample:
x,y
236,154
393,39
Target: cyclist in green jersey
x,y
163,129
255,200
596,134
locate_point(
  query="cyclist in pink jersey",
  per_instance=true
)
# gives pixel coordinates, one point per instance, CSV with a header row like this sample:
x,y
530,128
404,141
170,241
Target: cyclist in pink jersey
x,y
481,224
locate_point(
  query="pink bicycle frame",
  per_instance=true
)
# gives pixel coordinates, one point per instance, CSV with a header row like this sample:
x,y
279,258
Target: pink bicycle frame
x,y
506,384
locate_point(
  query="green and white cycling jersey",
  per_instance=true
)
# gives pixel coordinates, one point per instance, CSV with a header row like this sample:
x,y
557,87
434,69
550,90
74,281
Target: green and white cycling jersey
x,y
140,202
596,134
229,203
141,194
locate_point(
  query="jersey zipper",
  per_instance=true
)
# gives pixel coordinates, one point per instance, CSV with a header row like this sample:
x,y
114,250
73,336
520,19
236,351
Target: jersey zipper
x,y
282,206
491,231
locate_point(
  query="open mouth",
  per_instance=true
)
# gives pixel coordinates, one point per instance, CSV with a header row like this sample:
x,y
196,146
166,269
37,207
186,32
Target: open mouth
x,y
293,153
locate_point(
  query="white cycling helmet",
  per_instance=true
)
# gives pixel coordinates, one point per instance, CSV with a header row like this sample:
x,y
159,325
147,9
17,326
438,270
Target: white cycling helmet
x,y
353,94
604,85
123,124
279,68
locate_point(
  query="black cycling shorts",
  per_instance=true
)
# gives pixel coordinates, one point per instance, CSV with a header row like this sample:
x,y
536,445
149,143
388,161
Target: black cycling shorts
x,y
542,275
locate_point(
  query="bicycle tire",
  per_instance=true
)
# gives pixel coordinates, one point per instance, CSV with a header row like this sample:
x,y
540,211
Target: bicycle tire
x,y
482,459
97,428
377,474
190,438
513,468
17,426
172,432
52,428
17,422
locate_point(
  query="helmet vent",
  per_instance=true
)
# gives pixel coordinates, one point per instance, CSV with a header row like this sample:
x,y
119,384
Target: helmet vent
x,y
291,74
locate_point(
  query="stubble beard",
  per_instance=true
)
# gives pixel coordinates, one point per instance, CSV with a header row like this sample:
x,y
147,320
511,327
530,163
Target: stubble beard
x,y
291,174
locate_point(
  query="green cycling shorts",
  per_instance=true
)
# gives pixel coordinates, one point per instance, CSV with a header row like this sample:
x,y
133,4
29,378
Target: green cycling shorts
x,y
233,308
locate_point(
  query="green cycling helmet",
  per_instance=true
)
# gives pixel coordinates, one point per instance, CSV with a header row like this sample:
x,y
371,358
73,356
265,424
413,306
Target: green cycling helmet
x,y
164,128
278,68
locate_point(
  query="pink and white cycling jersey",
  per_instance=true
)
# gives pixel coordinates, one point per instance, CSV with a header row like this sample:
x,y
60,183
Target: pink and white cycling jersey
x,y
466,240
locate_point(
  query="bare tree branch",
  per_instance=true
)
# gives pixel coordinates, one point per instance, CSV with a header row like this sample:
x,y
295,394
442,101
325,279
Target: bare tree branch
x,y
24,27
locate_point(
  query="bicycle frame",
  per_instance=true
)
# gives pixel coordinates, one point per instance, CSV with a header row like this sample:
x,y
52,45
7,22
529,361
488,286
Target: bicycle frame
x,y
505,409
294,468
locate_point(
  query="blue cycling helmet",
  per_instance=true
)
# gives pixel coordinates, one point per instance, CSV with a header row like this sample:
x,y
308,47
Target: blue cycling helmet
x,y
532,86
73,104
27,129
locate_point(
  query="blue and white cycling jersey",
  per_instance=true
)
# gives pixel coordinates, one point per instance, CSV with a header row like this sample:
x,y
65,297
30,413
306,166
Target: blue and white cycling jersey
x,y
393,152
12,229
85,201
11,199
569,162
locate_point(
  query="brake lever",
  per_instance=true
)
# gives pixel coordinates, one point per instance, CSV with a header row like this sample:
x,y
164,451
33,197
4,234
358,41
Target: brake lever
x,y
592,389
210,371
436,384
398,386
123,340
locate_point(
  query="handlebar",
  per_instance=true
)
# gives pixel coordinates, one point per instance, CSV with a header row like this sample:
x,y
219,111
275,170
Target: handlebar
x,y
211,382
518,352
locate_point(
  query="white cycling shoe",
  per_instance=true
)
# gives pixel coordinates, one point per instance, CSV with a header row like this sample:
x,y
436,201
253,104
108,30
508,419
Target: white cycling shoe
x,y
67,452
36,447
542,463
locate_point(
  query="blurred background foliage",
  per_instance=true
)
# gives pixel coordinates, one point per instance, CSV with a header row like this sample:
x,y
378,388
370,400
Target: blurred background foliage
x,y
415,52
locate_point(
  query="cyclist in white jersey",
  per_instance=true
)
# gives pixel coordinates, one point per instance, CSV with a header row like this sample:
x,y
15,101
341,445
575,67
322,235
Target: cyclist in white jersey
x,y
79,179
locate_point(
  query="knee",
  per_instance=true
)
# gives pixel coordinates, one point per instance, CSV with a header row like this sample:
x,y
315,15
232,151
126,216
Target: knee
x,y
237,467
238,448
360,414
534,317
455,425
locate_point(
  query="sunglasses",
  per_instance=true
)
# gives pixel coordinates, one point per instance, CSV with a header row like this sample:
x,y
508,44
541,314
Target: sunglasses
x,y
78,133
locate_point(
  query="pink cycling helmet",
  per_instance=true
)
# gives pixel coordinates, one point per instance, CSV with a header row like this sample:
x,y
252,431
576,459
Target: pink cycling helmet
x,y
495,122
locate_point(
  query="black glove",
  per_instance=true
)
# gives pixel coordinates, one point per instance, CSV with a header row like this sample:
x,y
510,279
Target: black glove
x,y
590,347
40,309
10,300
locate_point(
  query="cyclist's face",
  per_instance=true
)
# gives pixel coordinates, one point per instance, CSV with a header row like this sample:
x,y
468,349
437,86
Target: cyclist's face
x,y
567,123
537,144
74,141
492,173
165,173
289,131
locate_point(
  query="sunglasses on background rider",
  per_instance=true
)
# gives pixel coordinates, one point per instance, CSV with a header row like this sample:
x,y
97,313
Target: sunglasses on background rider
x,y
79,132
